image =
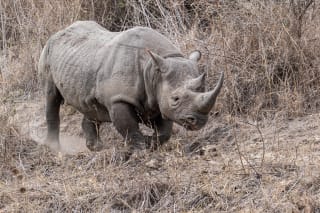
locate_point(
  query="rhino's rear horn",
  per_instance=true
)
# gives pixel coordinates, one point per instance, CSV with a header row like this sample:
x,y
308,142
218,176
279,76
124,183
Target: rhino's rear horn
x,y
206,100
195,55
197,84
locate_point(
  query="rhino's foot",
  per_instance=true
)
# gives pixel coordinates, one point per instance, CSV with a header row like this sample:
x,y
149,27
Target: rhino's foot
x,y
122,155
137,146
155,141
148,142
134,155
137,142
94,146
128,155
53,144
151,143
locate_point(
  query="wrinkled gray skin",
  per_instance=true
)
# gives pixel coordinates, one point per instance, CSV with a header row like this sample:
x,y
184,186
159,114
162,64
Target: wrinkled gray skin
x,y
130,77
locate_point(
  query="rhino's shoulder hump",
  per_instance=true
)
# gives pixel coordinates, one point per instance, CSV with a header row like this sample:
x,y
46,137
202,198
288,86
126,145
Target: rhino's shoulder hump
x,y
81,29
143,31
144,37
86,25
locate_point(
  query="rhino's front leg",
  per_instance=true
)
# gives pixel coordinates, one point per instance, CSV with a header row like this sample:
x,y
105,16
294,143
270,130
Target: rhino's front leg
x,y
162,131
125,120
91,131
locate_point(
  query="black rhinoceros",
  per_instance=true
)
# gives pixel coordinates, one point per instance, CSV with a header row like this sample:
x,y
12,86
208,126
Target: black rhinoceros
x,y
130,77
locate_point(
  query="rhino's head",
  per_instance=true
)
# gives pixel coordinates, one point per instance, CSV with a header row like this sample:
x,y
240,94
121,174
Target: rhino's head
x,y
180,90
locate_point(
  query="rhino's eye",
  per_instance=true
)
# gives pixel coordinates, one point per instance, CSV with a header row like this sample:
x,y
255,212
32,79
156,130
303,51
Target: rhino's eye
x,y
175,100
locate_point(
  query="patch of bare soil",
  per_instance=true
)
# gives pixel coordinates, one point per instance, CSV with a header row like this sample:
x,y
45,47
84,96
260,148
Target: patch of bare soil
x,y
30,120
232,165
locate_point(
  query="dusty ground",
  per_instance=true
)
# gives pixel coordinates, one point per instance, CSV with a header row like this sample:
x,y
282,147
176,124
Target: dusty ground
x,y
232,165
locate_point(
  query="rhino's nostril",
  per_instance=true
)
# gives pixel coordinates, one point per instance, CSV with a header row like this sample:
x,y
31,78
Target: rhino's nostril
x,y
191,120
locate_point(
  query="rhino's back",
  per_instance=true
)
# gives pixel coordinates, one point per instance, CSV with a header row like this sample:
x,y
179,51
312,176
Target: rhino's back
x,y
74,57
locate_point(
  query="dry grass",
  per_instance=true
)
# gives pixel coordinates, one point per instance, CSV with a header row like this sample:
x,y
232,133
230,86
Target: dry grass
x,y
269,51
223,169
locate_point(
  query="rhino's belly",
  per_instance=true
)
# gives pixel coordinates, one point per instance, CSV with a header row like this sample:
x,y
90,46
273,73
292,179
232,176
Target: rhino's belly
x,y
98,115
80,95
95,111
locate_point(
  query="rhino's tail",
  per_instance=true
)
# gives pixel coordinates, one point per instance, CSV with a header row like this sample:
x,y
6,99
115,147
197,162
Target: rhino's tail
x,y
43,67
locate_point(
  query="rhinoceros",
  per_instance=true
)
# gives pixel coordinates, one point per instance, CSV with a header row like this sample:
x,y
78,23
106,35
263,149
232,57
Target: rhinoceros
x,y
129,77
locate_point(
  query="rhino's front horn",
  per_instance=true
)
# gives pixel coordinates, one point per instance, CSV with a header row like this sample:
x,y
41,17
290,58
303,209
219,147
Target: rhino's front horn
x,y
205,101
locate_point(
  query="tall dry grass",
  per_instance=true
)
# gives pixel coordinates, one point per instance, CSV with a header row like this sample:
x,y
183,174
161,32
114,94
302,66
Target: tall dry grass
x,y
269,49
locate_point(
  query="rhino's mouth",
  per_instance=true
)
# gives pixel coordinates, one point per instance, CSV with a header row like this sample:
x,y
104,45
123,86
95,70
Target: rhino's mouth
x,y
193,122
190,127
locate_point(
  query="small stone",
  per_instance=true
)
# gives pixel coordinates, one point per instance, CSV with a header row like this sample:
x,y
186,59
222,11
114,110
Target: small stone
x,y
22,190
153,164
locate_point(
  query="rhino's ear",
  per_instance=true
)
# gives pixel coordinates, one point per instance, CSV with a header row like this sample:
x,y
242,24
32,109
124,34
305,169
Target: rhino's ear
x,y
157,60
195,55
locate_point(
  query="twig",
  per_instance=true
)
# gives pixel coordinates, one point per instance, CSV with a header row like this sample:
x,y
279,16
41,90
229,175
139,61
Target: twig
x,y
238,148
261,137
242,156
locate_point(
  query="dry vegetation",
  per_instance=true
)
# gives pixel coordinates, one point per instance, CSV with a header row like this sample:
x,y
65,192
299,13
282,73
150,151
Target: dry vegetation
x,y
259,152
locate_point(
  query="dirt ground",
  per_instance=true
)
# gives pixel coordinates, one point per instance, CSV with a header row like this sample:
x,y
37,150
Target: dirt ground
x,y
232,165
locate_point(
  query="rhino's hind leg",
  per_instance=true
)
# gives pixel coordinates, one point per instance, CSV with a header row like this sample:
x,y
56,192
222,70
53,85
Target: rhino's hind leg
x,y
53,102
125,121
91,131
